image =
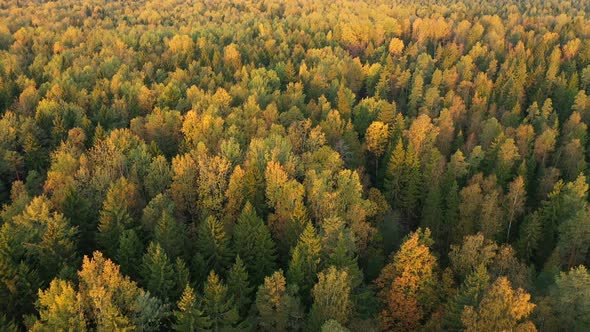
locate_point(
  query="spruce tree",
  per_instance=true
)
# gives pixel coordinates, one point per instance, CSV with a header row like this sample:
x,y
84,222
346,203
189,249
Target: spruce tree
x,y
393,184
190,316
213,244
239,287
412,184
116,215
277,307
469,294
181,277
129,253
305,261
254,245
170,234
157,272
218,305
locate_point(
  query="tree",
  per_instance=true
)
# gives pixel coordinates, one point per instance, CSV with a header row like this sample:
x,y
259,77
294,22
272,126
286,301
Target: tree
x,y
253,243
339,249
501,309
396,46
393,183
277,307
157,272
159,176
189,316
407,285
469,294
129,253
170,234
218,305
475,251
570,299
105,300
331,298
238,286
412,182
376,139
59,309
514,202
213,244
116,214
305,261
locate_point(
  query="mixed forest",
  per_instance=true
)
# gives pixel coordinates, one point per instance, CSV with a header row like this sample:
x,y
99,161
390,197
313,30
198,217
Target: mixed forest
x,y
275,165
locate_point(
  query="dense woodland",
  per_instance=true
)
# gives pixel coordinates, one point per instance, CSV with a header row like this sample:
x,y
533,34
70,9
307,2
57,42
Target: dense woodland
x,y
222,165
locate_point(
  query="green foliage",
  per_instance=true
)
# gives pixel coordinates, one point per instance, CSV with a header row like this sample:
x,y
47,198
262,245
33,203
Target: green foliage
x,y
297,136
213,244
278,308
157,271
189,316
218,305
239,287
305,261
253,243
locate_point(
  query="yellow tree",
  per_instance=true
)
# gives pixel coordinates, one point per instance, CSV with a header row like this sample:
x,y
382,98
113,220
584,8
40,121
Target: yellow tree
x,y
376,139
501,309
407,284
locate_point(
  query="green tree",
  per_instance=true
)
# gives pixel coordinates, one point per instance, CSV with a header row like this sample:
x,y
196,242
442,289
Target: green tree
x,y
305,261
393,183
218,305
190,316
570,299
157,272
129,253
170,234
277,307
213,244
238,286
253,243
469,294
116,214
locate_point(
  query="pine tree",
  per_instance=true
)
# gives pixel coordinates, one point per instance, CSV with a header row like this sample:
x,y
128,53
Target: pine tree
x,y
278,309
450,213
189,316
339,249
218,306
393,183
570,299
305,261
331,298
170,234
129,253
115,215
239,287
213,244
432,214
182,277
253,243
412,183
470,294
157,272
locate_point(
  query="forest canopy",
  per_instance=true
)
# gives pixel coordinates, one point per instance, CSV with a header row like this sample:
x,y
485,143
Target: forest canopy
x,y
273,165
